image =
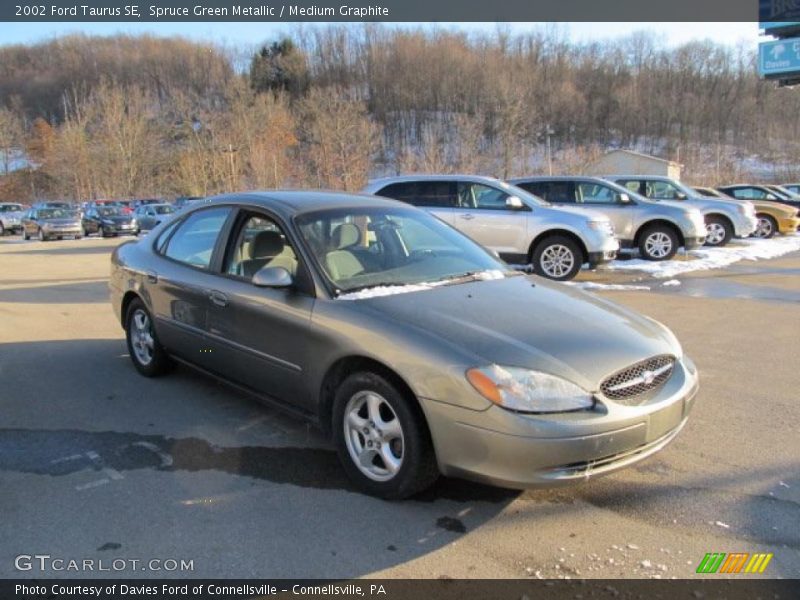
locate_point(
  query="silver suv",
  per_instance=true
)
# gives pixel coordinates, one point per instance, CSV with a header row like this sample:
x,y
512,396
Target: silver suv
x,y
658,229
724,219
11,215
517,225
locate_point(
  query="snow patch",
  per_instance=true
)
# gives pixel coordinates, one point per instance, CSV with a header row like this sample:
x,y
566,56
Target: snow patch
x,y
705,259
671,282
591,285
391,290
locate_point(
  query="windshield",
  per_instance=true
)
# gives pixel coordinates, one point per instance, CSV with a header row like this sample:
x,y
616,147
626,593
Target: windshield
x,y
57,213
109,211
362,248
11,208
163,210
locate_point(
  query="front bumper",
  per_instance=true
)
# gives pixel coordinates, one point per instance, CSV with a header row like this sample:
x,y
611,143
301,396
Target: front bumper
x,y
694,242
518,451
744,225
788,225
63,231
602,250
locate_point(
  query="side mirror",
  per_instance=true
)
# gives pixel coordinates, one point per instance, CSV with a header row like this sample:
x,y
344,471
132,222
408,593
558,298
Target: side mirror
x,y
681,196
272,277
624,199
514,203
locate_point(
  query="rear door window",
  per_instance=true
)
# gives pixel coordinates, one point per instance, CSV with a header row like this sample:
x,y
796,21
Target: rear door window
x,y
428,194
195,238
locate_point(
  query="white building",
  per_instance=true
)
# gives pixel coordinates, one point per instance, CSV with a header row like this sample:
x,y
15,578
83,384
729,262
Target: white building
x,y
628,162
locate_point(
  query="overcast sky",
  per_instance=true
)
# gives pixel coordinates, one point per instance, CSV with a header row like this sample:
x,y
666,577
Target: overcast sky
x,y
254,33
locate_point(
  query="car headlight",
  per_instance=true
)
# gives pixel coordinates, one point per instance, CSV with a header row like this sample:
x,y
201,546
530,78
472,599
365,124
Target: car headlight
x,y
601,226
526,391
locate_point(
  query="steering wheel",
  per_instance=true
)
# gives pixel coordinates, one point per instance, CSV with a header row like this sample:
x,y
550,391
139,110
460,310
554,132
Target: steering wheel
x,y
420,254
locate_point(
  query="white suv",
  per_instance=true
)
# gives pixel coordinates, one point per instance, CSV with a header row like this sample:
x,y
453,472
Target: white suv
x,y
508,220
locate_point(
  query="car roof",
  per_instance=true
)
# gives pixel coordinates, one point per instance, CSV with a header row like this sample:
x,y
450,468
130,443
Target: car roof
x,y
381,181
515,180
289,203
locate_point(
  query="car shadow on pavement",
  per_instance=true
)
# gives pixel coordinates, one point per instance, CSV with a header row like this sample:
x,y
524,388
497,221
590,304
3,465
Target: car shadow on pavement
x,y
83,426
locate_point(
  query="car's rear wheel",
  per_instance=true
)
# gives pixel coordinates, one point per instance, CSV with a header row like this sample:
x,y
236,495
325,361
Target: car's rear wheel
x,y
147,354
766,228
557,257
658,242
718,231
381,438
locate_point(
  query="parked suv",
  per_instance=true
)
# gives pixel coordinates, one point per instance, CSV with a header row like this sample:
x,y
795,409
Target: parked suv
x,y
658,229
517,225
724,219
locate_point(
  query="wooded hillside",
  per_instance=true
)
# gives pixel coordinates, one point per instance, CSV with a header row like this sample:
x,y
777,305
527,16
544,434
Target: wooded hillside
x,y
146,116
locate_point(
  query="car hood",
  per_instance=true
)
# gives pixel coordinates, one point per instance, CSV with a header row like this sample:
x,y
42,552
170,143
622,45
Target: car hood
x,y
118,218
771,207
531,323
14,214
707,203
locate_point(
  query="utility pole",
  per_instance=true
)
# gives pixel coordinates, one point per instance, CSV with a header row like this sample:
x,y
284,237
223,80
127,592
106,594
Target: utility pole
x,y
549,132
230,150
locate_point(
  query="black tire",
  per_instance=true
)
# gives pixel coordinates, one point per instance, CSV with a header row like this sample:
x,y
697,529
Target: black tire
x,y
101,231
557,257
418,469
160,362
767,227
2,230
25,235
658,242
42,236
723,231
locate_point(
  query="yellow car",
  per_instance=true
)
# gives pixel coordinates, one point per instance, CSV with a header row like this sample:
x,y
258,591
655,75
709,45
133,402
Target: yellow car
x,y
772,216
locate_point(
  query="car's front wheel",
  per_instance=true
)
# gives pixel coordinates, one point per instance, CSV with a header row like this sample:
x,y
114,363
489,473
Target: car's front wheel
x,y
381,438
147,354
766,228
557,257
658,242
718,231
25,235
42,236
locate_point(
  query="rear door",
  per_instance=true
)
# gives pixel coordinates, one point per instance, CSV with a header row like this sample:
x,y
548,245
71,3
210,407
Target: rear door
x,y
181,283
483,215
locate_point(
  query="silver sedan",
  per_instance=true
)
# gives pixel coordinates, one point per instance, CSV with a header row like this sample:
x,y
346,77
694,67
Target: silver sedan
x,y
416,349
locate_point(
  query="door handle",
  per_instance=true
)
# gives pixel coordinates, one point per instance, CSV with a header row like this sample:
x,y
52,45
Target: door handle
x,y
218,298
152,277
467,216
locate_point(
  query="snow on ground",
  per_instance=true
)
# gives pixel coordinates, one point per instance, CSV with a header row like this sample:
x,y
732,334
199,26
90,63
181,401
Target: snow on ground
x,y
671,282
591,285
705,259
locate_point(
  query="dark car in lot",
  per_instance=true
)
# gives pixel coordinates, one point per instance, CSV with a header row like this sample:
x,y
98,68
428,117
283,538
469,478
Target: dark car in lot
x,y
51,223
414,347
108,220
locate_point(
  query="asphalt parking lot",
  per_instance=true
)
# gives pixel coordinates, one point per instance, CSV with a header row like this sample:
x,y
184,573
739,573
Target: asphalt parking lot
x,y
97,462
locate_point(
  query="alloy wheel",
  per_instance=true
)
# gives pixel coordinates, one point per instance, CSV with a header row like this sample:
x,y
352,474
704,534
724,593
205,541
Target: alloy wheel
x,y
715,233
764,228
142,337
658,244
373,435
557,260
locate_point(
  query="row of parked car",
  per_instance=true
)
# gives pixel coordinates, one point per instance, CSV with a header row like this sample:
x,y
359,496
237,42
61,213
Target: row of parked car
x,y
60,219
555,224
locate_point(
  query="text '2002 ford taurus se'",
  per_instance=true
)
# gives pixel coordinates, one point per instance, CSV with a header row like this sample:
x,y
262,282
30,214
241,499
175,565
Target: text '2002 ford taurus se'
x,y
416,349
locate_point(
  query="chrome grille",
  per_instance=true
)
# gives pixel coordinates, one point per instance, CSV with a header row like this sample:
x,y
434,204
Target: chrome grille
x,y
639,379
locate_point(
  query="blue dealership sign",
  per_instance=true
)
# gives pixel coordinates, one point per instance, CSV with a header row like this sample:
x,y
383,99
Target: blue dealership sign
x,y
777,12
779,58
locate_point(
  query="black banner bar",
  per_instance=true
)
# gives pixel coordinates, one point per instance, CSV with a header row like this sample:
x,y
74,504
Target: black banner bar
x,y
392,589
378,10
